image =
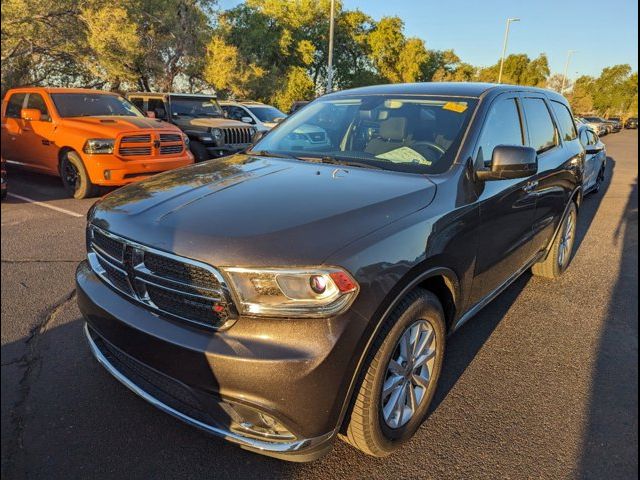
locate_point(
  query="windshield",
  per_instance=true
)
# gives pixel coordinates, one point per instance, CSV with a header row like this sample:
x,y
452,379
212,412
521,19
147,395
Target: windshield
x,y
92,105
195,107
408,134
267,114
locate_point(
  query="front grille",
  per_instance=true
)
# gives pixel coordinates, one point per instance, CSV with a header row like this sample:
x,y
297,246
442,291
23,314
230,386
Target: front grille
x,y
176,286
170,137
150,145
169,149
131,151
136,139
237,135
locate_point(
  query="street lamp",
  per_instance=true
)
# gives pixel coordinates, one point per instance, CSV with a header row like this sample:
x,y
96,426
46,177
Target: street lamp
x,y
330,63
504,46
566,69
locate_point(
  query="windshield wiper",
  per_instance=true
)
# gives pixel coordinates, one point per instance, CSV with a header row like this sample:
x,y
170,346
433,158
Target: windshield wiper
x,y
346,163
266,153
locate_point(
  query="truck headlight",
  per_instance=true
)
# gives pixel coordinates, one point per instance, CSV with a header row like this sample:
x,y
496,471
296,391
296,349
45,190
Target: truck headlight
x,y
217,135
96,146
292,292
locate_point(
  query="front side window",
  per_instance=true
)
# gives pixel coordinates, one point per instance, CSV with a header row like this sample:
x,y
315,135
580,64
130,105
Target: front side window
x,y
409,134
93,105
156,105
235,113
195,107
267,114
14,105
36,102
565,121
138,102
502,127
542,132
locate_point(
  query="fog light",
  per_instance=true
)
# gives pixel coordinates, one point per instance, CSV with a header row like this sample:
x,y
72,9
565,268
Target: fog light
x,y
249,421
107,174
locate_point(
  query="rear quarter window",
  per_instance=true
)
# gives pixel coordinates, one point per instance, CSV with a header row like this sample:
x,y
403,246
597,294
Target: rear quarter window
x,y
565,121
542,132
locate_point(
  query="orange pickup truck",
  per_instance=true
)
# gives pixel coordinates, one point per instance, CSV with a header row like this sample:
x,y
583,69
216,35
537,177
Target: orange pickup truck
x,y
89,138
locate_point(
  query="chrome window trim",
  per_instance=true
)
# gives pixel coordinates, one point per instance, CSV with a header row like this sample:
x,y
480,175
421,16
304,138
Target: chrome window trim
x,y
144,276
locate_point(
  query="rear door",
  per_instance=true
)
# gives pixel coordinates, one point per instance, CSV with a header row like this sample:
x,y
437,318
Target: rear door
x,y
12,129
552,132
40,149
507,207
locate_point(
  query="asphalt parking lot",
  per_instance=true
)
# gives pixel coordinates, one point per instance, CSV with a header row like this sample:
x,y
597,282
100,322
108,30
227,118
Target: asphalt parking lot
x,y
543,383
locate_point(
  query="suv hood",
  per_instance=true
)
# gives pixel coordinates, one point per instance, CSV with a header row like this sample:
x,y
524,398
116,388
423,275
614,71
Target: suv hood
x,y
209,122
113,125
256,211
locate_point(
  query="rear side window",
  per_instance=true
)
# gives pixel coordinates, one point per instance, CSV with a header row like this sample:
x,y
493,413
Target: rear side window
x,y
502,127
565,122
542,133
36,102
14,105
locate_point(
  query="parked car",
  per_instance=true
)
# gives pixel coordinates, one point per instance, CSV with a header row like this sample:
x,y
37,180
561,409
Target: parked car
x,y
4,187
595,162
282,297
596,125
297,106
616,124
600,121
631,123
89,138
201,118
263,117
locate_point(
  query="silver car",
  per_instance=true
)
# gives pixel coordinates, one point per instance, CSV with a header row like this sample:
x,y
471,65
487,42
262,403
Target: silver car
x,y
595,162
263,117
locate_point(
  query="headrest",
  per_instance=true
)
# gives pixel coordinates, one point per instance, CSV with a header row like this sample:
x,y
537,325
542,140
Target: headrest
x,y
393,128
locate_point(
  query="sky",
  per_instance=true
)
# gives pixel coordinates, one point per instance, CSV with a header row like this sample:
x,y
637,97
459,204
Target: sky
x,y
603,32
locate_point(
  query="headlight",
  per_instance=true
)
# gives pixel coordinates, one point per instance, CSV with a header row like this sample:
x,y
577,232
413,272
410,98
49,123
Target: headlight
x,y
297,292
185,137
217,135
99,145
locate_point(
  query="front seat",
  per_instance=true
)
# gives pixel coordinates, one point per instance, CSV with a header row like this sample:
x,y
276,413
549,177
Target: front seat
x,y
392,135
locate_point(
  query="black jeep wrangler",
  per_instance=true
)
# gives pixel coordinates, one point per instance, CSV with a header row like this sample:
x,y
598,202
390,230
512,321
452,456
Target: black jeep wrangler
x,y
211,134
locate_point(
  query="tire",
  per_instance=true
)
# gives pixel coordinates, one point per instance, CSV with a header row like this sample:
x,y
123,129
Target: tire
x,y
559,256
199,151
75,178
369,428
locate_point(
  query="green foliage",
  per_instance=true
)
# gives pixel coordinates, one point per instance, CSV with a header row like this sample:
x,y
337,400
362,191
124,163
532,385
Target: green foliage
x,y
614,92
518,69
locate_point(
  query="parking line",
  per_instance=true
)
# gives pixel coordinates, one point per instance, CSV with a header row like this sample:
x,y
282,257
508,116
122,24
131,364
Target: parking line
x,y
42,204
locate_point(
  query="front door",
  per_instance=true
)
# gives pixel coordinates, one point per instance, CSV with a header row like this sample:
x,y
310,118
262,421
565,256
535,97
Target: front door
x,y
507,207
40,149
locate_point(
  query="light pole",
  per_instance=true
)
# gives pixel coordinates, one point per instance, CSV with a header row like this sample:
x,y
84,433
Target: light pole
x,y
330,63
504,46
566,69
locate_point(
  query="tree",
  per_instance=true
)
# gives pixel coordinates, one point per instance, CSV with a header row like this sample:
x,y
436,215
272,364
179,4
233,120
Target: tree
x,y
581,96
518,69
555,82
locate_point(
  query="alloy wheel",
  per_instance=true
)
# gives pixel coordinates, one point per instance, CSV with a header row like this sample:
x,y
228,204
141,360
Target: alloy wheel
x,y
566,241
70,174
408,374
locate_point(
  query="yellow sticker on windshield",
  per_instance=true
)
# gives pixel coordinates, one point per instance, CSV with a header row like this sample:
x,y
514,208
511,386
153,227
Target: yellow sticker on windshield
x,y
458,107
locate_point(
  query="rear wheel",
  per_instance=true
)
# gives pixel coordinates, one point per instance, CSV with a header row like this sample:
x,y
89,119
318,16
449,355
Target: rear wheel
x,y
400,378
560,254
75,178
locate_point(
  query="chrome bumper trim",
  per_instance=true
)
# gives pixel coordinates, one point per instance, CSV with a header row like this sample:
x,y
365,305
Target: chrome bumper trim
x,y
259,446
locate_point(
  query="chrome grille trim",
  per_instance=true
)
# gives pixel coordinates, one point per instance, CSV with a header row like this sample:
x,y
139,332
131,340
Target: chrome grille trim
x,y
170,137
138,276
136,139
169,149
131,151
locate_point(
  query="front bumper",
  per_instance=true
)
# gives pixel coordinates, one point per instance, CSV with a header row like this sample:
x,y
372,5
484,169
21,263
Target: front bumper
x,y
295,371
122,172
224,150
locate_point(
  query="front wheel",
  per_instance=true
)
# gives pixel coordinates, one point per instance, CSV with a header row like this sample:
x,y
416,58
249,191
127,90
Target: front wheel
x,y
75,178
400,378
199,151
560,254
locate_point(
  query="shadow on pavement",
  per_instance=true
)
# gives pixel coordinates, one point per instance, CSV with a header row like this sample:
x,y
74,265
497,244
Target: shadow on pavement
x,y
611,436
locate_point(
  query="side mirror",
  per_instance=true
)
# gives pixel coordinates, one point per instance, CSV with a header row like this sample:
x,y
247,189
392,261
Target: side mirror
x,y
246,120
510,162
278,119
31,114
592,149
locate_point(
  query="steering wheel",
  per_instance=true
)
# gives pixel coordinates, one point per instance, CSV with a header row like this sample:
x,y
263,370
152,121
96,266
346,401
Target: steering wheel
x,y
434,147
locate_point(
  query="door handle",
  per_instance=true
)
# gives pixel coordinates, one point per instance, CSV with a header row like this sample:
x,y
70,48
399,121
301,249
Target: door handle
x,y
530,186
